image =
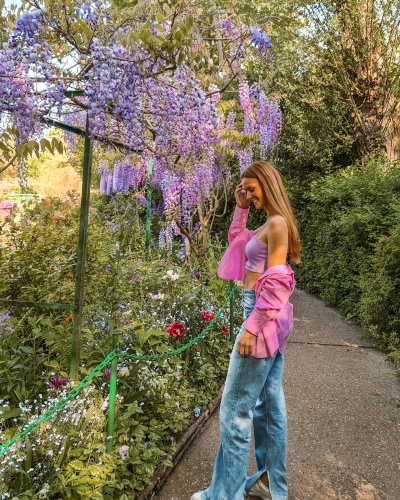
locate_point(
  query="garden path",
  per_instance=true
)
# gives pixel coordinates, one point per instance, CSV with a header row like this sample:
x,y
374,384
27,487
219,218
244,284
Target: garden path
x,y
343,429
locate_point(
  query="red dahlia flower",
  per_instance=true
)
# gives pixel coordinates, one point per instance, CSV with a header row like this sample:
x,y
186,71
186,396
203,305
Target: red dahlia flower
x,y
224,330
207,316
176,330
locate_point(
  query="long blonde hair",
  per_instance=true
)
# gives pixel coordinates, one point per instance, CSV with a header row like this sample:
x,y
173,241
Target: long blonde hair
x,y
274,190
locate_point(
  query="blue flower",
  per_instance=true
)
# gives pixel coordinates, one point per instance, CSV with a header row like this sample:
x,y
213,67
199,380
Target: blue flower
x,y
196,412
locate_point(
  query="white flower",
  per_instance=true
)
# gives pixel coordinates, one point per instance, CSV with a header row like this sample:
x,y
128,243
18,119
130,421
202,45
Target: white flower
x,y
124,371
167,396
169,273
174,277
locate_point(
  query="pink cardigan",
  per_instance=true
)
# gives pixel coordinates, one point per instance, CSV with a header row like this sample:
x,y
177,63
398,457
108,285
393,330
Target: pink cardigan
x,y
271,321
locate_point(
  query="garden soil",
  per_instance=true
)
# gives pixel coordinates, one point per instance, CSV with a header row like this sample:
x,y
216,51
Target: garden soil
x,y
343,427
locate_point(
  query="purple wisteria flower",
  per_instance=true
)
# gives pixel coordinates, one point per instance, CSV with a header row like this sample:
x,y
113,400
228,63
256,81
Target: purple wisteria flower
x,y
56,382
142,199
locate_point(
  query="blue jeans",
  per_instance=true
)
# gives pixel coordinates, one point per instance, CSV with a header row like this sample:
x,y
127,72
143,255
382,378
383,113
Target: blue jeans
x,y
253,392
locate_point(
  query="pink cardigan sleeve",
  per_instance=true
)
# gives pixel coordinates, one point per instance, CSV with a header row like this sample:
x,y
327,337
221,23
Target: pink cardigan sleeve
x,y
238,222
274,294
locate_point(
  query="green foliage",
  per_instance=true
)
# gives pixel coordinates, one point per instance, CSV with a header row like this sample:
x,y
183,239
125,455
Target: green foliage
x,y
342,220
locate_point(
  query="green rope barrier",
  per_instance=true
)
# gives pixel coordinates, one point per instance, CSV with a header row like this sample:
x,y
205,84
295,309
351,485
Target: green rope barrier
x,y
48,414
116,352
180,349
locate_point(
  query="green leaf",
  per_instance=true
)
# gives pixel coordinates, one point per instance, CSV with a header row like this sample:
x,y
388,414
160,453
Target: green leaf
x,y
143,336
139,428
162,348
88,32
76,464
11,414
95,470
175,360
159,333
184,29
44,143
134,397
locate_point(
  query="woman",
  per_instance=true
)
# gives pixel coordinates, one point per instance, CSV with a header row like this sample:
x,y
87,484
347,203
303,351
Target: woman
x,y
253,388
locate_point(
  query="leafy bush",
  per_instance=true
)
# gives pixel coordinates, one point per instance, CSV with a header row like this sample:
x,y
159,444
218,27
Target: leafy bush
x,y
342,220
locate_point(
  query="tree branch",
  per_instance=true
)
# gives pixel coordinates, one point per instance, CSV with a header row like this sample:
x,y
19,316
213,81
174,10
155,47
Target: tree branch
x,y
185,233
9,164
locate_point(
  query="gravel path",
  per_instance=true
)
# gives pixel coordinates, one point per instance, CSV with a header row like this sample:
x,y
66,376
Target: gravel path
x,y
343,427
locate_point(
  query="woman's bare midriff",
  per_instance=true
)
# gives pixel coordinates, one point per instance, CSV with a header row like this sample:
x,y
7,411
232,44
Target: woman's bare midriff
x,y
250,279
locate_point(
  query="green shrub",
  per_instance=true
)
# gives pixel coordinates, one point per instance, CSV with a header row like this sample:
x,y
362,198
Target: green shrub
x,y
342,220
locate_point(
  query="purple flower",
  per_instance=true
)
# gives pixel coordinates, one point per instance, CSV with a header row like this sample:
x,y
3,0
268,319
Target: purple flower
x,y
123,451
107,373
197,275
56,382
142,199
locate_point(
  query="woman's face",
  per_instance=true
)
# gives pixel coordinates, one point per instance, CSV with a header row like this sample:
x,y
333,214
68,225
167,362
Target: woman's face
x,y
254,192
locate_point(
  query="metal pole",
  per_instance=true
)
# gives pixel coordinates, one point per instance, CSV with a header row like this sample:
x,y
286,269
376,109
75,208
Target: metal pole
x,y
113,391
80,261
148,211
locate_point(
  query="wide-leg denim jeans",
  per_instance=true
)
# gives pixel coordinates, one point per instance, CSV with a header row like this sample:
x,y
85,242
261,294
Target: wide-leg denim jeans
x,y
253,392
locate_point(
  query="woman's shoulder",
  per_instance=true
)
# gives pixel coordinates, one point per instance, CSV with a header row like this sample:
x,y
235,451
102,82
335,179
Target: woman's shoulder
x,y
276,227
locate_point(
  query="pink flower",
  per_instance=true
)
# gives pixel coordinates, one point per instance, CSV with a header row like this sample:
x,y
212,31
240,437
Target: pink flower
x,y
56,382
384,237
57,214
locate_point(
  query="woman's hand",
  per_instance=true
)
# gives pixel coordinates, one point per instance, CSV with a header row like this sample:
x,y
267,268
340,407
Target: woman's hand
x,y
241,197
245,343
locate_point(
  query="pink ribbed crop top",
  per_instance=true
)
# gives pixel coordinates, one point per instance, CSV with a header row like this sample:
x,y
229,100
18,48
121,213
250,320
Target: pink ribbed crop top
x,y
256,253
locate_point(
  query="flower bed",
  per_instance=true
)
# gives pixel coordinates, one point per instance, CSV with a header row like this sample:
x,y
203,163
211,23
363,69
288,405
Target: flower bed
x,y
153,306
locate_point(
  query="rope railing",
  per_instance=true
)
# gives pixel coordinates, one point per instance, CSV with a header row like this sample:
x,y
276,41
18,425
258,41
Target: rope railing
x,y
113,357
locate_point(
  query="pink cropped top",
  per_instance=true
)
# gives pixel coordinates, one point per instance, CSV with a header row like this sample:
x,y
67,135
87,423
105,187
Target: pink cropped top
x,y
256,253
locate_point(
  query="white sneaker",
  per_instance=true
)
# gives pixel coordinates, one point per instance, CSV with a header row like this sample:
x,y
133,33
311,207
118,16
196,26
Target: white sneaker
x,y
259,490
196,496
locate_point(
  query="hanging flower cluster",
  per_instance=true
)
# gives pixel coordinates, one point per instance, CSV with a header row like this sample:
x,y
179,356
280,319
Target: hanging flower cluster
x,y
261,116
